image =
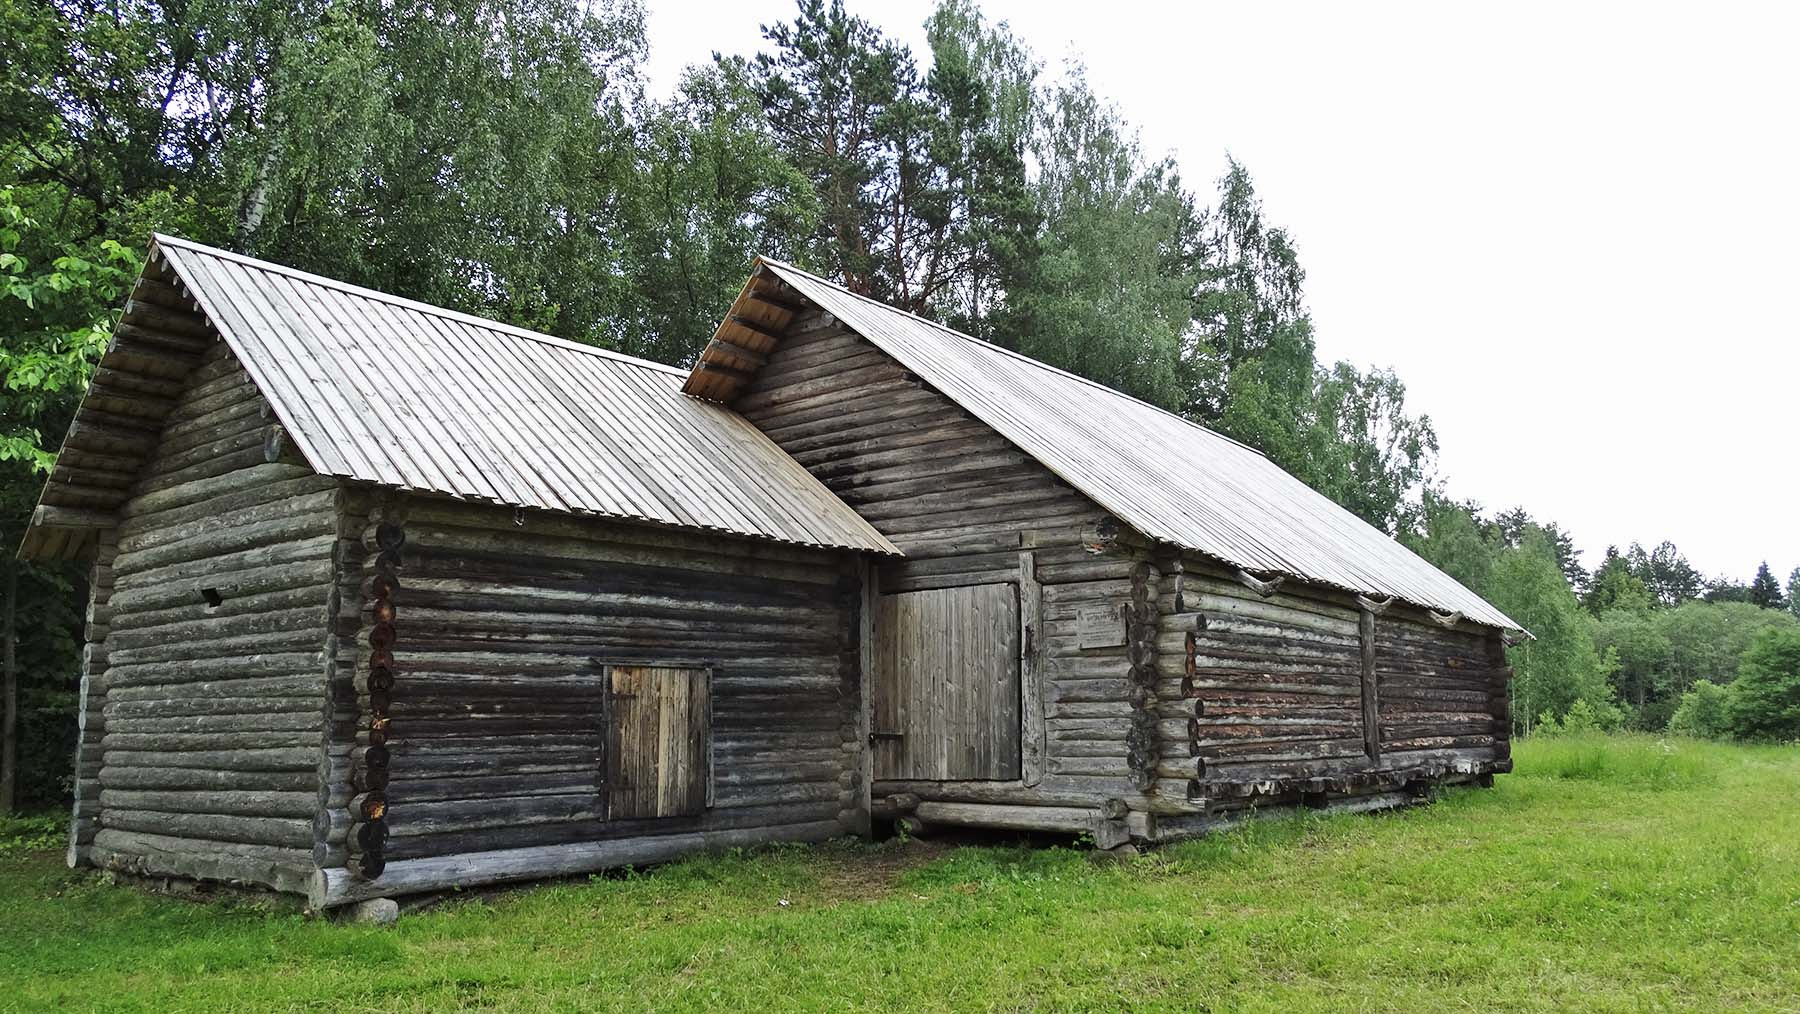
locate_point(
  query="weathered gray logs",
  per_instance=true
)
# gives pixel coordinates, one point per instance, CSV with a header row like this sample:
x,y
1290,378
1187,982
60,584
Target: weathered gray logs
x,y
333,887
284,869
1069,819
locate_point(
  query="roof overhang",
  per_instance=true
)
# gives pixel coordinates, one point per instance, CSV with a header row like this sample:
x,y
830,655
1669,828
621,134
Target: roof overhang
x,y
1229,502
757,321
157,343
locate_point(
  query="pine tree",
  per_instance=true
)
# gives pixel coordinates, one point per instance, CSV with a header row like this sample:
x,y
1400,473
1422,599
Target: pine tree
x,y
1764,591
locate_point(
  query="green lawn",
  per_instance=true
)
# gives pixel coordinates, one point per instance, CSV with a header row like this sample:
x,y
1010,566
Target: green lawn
x,y
1605,874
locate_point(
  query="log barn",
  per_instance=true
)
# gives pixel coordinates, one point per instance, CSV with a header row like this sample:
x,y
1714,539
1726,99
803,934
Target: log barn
x,y
390,599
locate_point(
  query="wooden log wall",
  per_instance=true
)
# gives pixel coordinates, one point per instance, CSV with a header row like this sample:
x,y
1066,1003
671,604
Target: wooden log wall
x,y
216,626
344,796
496,625
968,508
1441,689
91,709
1278,684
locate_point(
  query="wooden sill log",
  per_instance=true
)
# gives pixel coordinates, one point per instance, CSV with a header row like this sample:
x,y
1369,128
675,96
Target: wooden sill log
x,y
338,886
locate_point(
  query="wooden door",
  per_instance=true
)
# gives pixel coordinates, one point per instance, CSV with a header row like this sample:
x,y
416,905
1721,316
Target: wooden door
x,y
658,741
946,684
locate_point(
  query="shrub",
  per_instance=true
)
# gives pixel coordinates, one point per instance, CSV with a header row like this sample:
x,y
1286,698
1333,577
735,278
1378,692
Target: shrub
x,y
1704,712
32,834
1583,718
1765,699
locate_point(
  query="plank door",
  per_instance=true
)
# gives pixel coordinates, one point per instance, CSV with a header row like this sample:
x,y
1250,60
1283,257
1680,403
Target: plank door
x,y
946,694
658,741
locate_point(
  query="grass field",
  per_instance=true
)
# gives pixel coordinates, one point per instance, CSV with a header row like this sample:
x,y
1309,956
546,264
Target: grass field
x,y
1607,874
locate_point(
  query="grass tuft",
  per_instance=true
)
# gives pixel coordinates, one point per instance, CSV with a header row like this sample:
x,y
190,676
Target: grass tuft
x,y
1639,761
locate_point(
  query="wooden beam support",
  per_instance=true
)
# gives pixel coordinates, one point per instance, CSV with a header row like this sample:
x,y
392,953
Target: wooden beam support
x,y
124,382
1371,702
191,345
162,293
754,328
743,355
1263,588
162,318
50,516
728,372
768,298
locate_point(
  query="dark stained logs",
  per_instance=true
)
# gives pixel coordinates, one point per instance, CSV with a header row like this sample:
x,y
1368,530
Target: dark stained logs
x,y
968,508
205,679
1371,702
384,537
1303,691
484,641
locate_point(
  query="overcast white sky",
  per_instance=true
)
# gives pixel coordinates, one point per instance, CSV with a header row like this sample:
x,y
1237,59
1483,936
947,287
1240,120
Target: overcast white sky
x,y
1571,228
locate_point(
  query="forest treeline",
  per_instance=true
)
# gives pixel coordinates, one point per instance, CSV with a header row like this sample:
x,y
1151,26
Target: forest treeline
x,y
506,158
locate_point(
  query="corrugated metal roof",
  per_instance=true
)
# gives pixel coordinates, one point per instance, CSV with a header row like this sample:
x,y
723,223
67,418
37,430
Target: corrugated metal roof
x,y
1169,478
376,388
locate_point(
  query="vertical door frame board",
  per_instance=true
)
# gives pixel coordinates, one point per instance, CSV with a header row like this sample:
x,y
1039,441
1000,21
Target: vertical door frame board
x,y
602,779
1033,747
862,761
1371,702
706,703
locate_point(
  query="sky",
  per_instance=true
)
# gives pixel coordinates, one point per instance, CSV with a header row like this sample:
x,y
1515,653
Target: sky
x,y
1572,229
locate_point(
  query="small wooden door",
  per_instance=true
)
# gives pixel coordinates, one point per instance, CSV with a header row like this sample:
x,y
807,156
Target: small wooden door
x,y
658,741
946,684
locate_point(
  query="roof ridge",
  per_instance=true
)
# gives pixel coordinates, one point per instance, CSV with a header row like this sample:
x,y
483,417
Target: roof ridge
x,y
487,323
1022,357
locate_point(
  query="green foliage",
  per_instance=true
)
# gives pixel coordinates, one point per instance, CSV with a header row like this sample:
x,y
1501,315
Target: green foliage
x,y
1451,537
1640,653
1582,719
1765,698
24,834
1363,450
1614,586
57,302
1250,314
1109,294
1793,592
850,112
1670,579
472,154
1708,640
1704,712
711,190
1663,653
983,83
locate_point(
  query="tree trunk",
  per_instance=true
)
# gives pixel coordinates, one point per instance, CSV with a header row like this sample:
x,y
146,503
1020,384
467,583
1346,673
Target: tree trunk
x,y
9,723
